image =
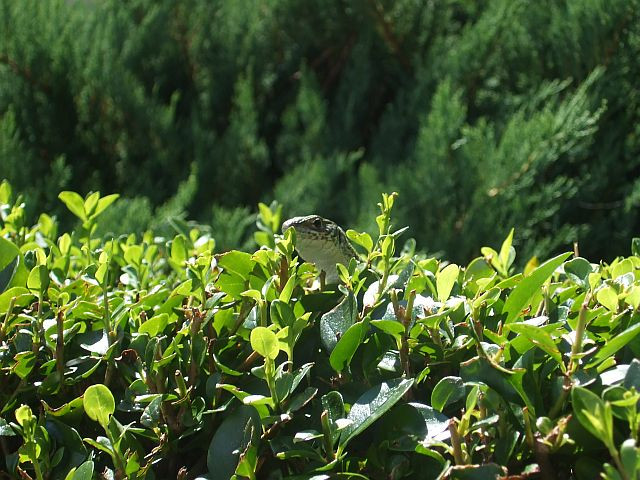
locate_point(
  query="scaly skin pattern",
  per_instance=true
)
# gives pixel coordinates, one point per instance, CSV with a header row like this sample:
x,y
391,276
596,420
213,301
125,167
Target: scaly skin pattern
x,y
322,242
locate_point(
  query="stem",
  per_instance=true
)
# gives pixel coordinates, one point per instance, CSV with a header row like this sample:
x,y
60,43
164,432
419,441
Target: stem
x,y
250,360
60,346
117,459
574,362
527,429
269,372
3,325
111,335
245,310
619,466
39,316
283,274
165,407
36,465
456,442
404,346
107,313
576,348
89,243
182,386
383,282
557,407
203,290
330,454
195,329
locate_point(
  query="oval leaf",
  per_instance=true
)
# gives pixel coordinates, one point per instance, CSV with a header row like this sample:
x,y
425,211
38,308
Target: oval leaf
x,y
608,298
75,203
372,405
614,344
538,337
446,391
347,345
99,403
528,286
589,409
155,324
8,262
226,444
84,471
335,323
265,342
445,281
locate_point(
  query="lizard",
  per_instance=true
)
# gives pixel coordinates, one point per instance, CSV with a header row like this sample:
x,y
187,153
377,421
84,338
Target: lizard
x,y
322,242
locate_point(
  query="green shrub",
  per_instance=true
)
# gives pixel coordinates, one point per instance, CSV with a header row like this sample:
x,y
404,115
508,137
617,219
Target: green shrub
x,y
156,357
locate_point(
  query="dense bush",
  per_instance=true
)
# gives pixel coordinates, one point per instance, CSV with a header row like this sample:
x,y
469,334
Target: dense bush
x,y
155,357
482,114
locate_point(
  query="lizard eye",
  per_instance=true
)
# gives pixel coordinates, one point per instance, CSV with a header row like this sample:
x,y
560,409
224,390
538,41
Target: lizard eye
x,y
317,223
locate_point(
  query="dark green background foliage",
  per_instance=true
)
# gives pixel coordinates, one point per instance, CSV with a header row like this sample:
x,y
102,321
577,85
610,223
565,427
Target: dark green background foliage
x,y
479,113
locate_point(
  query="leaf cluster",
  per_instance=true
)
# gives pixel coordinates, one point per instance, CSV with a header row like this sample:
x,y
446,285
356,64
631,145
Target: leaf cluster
x,y
157,357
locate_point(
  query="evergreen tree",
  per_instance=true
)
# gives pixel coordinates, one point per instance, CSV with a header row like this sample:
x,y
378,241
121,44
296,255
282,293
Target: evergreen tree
x,y
483,115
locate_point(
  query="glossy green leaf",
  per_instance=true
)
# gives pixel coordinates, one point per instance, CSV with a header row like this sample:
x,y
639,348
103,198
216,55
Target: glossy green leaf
x,y
528,286
608,298
104,203
101,443
236,262
9,257
5,429
38,278
448,390
362,239
630,457
232,284
507,252
632,378
633,297
333,403
179,252
445,280
75,203
590,411
508,383
614,344
374,403
238,428
133,254
75,449
392,327
25,361
154,325
346,347
91,203
99,403
336,322
24,416
282,314
84,471
265,342
578,270
539,337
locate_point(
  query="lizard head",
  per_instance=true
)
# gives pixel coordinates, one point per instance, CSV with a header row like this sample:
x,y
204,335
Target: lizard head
x,y
311,227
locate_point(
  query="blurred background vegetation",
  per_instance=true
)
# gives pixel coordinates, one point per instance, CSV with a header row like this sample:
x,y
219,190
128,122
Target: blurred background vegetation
x,y
483,115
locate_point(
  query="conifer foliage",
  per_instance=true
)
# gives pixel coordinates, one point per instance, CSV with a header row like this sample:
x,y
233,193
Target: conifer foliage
x,y
483,113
